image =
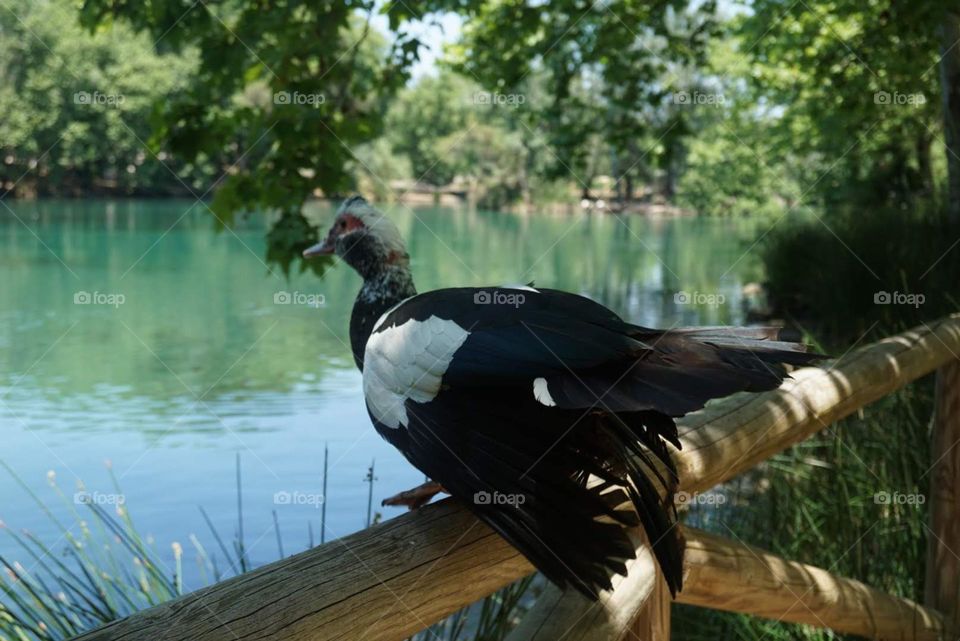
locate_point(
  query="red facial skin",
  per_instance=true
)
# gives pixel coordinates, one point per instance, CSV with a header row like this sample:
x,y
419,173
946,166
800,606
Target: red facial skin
x,y
345,223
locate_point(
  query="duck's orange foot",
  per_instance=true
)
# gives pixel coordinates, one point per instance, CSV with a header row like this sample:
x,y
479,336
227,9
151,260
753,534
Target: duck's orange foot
x,y
416,497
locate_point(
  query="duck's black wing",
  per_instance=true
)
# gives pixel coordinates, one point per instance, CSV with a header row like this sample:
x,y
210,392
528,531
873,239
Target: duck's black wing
x,y
513,398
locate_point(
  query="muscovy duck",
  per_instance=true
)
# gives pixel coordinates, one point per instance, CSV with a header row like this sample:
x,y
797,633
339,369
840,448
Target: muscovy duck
x,y
512,399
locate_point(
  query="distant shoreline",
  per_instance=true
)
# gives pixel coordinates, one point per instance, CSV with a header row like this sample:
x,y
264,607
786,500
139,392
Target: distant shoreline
x,y
439,198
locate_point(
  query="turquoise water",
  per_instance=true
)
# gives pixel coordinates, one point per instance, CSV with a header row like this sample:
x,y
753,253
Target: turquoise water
x,y
133,332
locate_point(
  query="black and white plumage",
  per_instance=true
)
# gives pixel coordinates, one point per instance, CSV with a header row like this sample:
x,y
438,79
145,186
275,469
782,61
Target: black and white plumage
x,y
513,398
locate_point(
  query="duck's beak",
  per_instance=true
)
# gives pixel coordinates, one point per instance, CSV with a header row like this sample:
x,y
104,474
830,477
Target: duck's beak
x,y
323,248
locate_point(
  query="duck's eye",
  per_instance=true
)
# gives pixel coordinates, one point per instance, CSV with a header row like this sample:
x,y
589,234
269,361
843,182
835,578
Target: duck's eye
x,y
343,224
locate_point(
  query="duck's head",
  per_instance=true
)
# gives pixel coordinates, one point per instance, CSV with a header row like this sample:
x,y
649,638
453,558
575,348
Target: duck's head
x,y
363,238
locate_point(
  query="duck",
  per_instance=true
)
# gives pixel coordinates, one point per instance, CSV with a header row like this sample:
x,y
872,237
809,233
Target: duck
x,y
544,412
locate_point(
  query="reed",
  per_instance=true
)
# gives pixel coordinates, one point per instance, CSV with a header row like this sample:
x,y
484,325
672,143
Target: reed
x,y
110,570
835,501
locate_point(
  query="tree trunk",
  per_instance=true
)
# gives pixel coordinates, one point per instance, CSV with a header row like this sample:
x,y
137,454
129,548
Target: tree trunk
x,y
525,195
670,181
615,172
924,164
942,588
950,88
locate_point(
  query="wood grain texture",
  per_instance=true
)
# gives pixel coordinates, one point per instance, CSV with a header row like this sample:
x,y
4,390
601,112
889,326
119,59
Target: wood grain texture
x,y
568,616
653,622
942,590
728,575
734,434
383,583
398,577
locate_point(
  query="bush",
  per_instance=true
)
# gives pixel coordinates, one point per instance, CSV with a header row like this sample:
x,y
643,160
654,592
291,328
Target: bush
x,y
858,274
726,177
847,277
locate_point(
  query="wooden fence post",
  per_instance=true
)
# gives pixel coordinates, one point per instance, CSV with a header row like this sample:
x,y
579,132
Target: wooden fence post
x,y
396,578
653,622
571,617
942,589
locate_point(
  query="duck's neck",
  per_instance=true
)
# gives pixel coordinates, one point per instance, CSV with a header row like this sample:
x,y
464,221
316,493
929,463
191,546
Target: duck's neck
x,y
381,290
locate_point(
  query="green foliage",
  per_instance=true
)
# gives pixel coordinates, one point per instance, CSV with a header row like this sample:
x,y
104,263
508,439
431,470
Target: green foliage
x,y
279,99
288,237
77,108
847,278
266,108
606,70
724,176
822,503
857,83
109,570
378,167
810,112
863,254
434,108
729,166
490,160
452,131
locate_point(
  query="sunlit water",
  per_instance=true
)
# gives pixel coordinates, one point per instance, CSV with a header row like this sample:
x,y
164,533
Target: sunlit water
x,y
182,358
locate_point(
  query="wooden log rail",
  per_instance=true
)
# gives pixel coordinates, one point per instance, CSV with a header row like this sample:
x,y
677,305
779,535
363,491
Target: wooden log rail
x,y
394,579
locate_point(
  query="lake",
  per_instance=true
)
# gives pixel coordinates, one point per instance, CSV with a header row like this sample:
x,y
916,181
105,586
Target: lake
x,y
133,332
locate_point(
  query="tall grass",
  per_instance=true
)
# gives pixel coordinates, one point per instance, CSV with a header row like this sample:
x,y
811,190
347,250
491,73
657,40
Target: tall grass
x,y
108,570
490,619
828,273
824,502
832,500
821,502
105,571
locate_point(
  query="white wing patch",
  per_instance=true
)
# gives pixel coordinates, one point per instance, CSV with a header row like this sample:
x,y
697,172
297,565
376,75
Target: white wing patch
x,y
384,315
525,288
542,393
407,362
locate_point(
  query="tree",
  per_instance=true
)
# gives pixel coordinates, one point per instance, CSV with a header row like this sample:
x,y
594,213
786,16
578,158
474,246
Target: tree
x,y
855,84
600,70
491,161
451,130
435,107
290,91
76,108
950,87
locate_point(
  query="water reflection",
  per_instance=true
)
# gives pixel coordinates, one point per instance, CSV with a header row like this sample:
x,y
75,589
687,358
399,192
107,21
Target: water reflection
x,y
199,317
201,358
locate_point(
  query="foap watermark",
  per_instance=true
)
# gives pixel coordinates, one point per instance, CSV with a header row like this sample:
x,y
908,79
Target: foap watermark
x,y
98,298
498,498
699,298
698,98
299,98
299,298
98,98
298,498
98,498
497,99
898,298
899,498
899,99
499,297
713,499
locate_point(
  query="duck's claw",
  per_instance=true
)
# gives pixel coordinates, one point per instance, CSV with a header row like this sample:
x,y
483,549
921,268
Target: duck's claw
x,y
415,497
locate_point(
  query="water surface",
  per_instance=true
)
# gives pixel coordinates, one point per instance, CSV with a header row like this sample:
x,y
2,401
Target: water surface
x,y
133,332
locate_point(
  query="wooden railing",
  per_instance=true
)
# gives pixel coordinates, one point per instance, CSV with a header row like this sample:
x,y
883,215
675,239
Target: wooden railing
x,y
389,581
